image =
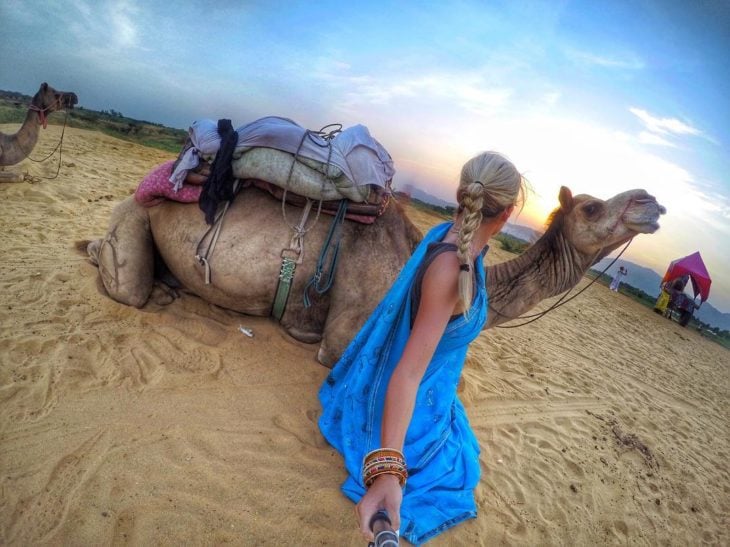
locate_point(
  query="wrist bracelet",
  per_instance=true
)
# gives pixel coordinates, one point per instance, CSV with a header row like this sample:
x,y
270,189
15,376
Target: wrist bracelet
x,y
384,461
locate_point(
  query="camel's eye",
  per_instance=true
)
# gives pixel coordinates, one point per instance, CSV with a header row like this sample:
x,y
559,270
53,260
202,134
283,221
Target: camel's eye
x,y
591,209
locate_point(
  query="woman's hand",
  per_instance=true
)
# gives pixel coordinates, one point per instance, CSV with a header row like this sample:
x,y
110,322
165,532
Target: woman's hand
x,y
385,493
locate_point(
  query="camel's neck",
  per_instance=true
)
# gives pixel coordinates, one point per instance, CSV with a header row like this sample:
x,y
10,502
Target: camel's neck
x,y
15,148
552,265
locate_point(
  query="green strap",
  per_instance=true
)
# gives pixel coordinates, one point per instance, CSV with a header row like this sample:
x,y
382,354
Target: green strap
x,y
286,275
330,250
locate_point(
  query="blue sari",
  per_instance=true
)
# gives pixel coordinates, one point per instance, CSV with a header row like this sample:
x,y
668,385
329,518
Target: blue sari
x,y
440,447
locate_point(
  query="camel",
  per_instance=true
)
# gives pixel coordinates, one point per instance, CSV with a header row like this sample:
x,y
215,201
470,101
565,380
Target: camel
x,y
247,258
15,148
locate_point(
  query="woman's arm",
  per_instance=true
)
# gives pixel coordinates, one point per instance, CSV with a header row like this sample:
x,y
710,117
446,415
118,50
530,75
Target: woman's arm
x,y
439,297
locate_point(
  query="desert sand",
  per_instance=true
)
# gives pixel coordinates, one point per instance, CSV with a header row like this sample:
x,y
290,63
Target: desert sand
x,y
602,423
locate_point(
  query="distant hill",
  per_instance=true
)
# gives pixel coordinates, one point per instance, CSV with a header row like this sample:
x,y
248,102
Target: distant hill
x,y
525,233
421,195
648,281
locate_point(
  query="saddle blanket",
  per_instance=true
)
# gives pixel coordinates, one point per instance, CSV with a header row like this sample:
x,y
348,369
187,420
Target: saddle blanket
x,y
155,188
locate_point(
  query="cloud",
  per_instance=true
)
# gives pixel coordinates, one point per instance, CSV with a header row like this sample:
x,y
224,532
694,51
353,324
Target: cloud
x,y
664,126
103,28
650,138
660,130
122,15
20,11
468,90
627,61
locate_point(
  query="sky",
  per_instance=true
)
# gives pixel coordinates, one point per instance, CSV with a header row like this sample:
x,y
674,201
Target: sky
x,y
601,97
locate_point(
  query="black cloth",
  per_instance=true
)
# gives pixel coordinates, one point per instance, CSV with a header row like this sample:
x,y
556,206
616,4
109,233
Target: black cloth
x,y
219,186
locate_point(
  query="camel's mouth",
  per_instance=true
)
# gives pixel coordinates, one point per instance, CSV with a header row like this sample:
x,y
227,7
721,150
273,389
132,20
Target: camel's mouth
x,y
67,100
644,219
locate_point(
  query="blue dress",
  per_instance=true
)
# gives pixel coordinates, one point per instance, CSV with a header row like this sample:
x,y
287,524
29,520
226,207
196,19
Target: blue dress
x,y
440,448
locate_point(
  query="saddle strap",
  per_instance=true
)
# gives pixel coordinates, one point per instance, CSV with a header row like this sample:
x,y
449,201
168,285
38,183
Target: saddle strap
x,y
290,258
331,248
286,275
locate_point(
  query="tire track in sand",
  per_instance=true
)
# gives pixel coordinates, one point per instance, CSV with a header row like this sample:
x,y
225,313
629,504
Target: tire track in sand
x,y
499,412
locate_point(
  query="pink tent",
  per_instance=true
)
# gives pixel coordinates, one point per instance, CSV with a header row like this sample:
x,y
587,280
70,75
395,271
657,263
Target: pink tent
x,y
693,266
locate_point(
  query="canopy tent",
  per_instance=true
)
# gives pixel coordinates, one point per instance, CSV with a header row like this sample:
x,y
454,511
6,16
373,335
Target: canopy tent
x,y
693,266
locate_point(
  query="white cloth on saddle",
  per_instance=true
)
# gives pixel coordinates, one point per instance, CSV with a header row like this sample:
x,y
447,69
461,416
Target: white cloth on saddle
x,y
205,141
360,158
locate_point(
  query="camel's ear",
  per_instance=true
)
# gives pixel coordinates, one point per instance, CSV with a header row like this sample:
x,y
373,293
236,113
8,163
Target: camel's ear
x,y
566,199
44,86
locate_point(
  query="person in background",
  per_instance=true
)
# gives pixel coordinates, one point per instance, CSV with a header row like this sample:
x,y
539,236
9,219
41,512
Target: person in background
x,y
616,282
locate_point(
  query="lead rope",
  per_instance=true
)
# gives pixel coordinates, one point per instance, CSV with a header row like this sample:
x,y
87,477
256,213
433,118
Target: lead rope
x,y
560,302
59,146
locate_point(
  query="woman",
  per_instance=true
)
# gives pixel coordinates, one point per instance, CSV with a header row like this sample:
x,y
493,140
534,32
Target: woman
x,y
391,398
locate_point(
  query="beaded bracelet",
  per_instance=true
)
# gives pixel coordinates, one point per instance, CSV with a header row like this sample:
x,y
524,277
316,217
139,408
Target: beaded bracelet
x,y
384,461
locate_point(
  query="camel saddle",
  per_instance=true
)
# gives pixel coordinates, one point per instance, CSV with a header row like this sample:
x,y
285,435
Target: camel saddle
x,y
362,212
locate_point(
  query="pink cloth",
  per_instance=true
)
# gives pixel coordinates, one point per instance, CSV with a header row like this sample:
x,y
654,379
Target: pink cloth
x,y
156,188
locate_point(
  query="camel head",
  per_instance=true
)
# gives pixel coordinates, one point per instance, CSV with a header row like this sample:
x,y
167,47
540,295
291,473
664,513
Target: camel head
x,y
49,100
596,227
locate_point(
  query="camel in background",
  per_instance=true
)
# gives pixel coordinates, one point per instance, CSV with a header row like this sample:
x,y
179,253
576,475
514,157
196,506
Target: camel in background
x,y
15,148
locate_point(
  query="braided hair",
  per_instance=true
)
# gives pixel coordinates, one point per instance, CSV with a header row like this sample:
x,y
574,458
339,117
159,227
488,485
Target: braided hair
x,y
489,183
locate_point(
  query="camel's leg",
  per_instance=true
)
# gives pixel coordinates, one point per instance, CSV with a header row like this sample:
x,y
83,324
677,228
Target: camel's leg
x,y
358,289
11,176
352,300
125,256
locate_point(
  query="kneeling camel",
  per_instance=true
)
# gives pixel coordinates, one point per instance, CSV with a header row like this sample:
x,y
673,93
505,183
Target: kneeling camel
x,y
246,260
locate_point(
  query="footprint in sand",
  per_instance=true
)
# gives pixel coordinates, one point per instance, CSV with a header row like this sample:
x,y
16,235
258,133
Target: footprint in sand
x,y
36,517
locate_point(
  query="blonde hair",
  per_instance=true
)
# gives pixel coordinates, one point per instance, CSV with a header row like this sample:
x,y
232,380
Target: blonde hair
x,y
489,184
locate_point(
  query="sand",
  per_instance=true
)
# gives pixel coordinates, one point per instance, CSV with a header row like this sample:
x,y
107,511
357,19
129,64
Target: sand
x,y
602,423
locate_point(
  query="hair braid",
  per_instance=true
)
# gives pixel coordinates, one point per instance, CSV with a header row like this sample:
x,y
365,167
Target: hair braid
x,y
472,200
489,183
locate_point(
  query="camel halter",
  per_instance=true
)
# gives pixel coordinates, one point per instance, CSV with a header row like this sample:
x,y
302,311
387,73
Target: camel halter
x,y
560,301
44,122
42,111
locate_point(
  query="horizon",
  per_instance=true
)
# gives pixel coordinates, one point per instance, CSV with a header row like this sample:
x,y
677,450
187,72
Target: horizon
x,y
601,98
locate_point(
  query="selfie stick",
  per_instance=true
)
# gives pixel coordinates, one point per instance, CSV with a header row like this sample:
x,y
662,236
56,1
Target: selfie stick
x,y
380,524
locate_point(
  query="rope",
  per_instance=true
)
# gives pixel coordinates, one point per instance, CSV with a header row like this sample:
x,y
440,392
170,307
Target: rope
x,y
559,302
327,136
335,233
216,229
296,246
58,147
